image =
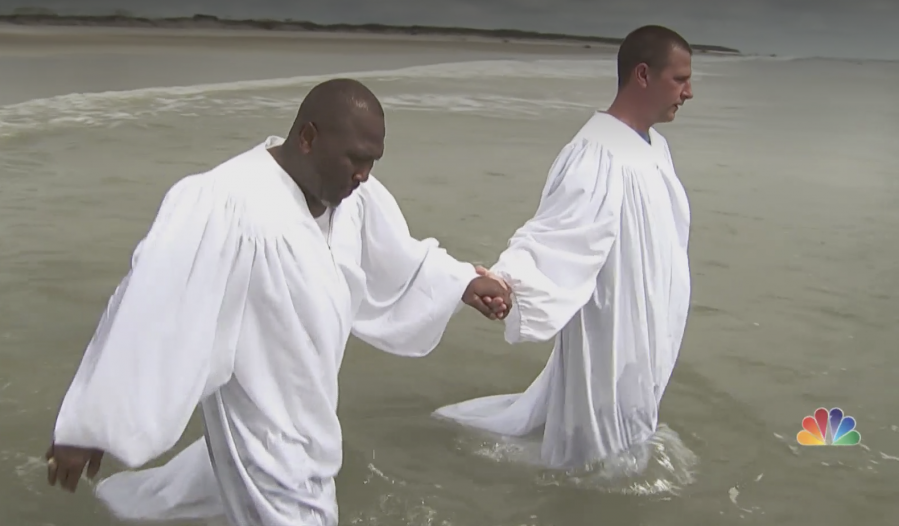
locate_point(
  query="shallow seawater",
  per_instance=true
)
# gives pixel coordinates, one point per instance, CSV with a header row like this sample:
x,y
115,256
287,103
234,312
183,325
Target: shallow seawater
x,y
793,253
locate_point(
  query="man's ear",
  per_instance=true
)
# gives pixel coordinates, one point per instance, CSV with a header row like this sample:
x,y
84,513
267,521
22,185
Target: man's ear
x,y
641,75
308,134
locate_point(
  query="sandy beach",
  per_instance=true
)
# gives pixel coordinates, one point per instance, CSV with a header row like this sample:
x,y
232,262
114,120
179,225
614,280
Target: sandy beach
x,y
199,22
790,169
34,58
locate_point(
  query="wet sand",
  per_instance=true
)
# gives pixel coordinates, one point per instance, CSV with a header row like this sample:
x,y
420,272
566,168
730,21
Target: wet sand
x,y
34,59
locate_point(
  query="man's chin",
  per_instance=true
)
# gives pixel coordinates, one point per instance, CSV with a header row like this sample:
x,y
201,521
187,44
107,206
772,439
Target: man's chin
x,y
334,202
348,193
666,118
672,113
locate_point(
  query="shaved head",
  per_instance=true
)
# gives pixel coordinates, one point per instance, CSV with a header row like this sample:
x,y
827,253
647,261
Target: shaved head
x,y
335,140
650,45
336,102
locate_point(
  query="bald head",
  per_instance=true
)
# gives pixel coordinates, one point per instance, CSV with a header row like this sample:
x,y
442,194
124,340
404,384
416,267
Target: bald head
x,y
336,138
650,45
336,102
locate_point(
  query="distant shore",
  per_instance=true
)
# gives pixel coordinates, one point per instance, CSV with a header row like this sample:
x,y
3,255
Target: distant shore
x,y
25,18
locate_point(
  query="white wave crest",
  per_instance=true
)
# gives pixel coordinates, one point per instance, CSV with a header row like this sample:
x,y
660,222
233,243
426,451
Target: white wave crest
x,y
481,104
558,69
113,107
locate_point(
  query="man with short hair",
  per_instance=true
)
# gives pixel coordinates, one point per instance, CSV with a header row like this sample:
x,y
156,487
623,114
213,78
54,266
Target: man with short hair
x,y
602,268
241,299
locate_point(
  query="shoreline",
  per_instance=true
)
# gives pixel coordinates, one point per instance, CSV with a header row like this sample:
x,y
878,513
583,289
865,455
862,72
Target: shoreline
x,y
208,22
45,61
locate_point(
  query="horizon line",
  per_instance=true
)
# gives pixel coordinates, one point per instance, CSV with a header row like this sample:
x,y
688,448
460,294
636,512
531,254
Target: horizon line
x,y
120,18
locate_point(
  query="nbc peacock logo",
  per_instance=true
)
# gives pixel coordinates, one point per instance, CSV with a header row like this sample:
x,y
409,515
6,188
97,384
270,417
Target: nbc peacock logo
x,y
833,428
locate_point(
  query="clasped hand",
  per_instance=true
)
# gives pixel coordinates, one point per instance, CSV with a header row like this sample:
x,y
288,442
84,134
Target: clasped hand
x,y
489,294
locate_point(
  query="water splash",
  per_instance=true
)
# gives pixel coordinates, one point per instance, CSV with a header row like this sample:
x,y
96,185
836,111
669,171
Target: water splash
x,y
663,465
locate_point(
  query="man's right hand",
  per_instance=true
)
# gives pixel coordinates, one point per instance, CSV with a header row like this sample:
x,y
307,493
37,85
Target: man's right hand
x,y
65,464
495,303
489,294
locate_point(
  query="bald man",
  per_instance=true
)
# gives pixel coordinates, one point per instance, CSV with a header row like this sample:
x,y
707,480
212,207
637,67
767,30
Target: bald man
x,y
241,299
602,270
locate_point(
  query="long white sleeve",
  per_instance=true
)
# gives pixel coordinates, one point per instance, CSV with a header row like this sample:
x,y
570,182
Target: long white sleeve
x,y
553,260
167,337
413,287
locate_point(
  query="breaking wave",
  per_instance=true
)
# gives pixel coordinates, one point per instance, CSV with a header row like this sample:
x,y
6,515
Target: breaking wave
x,y
478,91
83,109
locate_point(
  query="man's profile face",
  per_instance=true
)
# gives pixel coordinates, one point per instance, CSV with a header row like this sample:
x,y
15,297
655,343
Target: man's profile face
x,y
343,156
671,86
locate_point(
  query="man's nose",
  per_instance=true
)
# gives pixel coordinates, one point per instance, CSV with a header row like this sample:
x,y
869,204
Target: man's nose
x,y
362,175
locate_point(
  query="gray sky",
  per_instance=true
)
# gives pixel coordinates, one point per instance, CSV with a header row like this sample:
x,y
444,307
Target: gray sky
x,y
829,28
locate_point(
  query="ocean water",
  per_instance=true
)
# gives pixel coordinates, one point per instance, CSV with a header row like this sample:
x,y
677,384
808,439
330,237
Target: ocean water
x,y
791,171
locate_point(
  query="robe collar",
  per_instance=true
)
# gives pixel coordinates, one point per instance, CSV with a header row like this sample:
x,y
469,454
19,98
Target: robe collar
x,y
295,191
628,138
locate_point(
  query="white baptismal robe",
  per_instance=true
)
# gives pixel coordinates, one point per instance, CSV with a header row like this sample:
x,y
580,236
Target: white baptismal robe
x,y
236,302
602,267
